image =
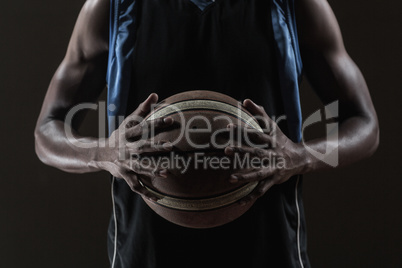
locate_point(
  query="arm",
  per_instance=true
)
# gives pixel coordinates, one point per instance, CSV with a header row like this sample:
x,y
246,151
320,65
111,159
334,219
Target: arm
x,y
81,78
334,77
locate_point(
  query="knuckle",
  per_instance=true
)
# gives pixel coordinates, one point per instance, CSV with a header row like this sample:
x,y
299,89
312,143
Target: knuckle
x,y
144,127
156,123
143,123
136,166
140,147
260,174
142,108
128,124
133,187
257,135
259,192
160,121
139,150
259,152
240,177
129,182
122,171
126,135
235,149
265,138
250,198
280,173
131,123
240,150
136,187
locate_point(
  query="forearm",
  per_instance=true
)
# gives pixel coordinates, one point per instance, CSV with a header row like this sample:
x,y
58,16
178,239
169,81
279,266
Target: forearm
x,y
55,147
356,138
79,79
337,79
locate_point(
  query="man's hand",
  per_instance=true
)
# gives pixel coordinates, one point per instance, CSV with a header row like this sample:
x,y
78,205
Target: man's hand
x,y
280,157
132,138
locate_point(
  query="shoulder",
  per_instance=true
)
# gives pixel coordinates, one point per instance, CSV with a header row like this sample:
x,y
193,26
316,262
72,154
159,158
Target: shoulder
x,y
95,16
91,32
318,27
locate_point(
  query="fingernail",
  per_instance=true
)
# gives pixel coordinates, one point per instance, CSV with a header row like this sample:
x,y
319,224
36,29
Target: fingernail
x,y
247,100
168,120
234,179
153,199
168,146
229,150
163,173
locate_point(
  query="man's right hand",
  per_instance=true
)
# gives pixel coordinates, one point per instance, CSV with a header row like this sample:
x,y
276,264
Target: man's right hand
x,y
133,138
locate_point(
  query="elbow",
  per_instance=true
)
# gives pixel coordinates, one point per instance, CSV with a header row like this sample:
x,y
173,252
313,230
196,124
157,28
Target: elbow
x,y
374,138
39,146
376,142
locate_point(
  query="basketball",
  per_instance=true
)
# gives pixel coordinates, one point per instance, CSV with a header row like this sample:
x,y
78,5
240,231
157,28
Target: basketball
x,y
197,192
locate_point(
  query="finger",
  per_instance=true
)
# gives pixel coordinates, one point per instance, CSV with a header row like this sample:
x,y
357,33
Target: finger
x,y
258,152
258,192
146,127
142,110
145,107
254,108
259,113
146,168
141,147
257,175
252,137
137,187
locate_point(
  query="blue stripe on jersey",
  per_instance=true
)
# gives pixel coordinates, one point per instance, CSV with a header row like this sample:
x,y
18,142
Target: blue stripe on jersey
x,y
289,63
121,47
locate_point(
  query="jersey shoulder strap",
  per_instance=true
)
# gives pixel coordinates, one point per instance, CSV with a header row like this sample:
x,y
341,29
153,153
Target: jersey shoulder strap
x,y
289,62
121,46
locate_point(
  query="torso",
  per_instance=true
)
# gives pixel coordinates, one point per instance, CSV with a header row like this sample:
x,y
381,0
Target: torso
x,y
228,47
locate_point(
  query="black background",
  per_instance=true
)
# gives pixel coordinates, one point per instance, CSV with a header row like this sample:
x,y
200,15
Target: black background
x,y
53,219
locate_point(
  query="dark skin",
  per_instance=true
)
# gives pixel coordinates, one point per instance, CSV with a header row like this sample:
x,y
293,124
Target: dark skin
x,y
80,78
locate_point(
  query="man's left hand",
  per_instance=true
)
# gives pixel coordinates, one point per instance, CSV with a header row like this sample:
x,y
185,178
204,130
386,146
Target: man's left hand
x,y
285,158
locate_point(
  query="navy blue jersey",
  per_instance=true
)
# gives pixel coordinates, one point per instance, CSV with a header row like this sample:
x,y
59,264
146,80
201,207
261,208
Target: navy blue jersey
x,y
228,46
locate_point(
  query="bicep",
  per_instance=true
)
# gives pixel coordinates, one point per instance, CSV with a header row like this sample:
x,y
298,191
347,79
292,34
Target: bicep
x,y
328,67
81,75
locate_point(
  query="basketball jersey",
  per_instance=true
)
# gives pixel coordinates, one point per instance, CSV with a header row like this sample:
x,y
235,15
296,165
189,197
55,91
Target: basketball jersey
x,y
235,47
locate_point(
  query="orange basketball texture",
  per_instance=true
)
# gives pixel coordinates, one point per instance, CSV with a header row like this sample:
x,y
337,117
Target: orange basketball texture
x,y
200,196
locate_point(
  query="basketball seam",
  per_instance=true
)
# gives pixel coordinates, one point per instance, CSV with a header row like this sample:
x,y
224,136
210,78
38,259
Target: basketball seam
x,y
214,110
191,204
157,108
155,115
